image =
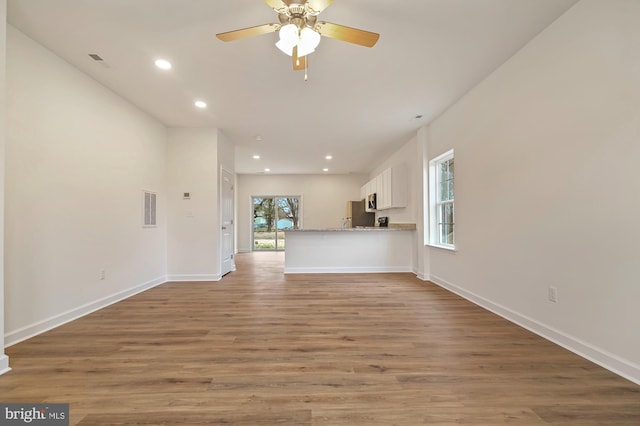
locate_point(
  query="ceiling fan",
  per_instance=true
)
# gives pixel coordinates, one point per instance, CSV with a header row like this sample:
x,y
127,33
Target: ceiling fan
x,y
300,31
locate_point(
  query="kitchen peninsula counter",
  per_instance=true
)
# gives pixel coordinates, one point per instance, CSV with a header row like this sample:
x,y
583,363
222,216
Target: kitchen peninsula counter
x,y
350,250
356,229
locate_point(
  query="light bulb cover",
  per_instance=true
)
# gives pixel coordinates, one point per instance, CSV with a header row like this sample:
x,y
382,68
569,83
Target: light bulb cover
x,y
289,34
309,40
304,51
286,48
288,39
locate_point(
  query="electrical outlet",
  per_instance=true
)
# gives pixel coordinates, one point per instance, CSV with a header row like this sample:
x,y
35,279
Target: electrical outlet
x,y
102,274
553,294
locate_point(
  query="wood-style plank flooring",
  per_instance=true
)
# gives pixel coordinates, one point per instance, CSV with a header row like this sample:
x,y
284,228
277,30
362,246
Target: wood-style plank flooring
x,y
259,348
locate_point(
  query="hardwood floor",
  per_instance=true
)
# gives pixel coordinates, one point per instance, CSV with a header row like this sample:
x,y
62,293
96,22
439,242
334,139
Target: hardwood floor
x,y
259,348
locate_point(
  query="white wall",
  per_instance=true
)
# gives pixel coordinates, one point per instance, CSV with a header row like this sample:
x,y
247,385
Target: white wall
x,y
226,153
324,198
226,161
407,157
421,176
547,152
4,360
78,158
193,232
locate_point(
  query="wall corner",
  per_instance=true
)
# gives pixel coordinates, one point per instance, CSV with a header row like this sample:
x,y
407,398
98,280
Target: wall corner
x,y
4,360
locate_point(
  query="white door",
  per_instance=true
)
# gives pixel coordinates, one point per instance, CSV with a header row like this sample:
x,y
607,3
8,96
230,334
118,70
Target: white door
x,y
228,264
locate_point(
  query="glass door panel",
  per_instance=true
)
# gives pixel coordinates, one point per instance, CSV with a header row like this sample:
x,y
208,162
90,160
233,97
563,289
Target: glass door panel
x,y
264,231
288,217
271,217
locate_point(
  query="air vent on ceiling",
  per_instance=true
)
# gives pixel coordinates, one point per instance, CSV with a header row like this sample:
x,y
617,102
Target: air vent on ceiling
x,y
97,58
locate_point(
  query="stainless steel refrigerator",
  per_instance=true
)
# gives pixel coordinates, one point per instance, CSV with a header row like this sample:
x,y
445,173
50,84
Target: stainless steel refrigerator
x,y
355,210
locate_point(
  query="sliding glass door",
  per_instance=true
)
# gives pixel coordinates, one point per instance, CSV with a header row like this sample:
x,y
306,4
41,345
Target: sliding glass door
x,y
271,217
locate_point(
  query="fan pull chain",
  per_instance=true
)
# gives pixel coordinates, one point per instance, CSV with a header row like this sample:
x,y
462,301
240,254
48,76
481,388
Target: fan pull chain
x,y
306,68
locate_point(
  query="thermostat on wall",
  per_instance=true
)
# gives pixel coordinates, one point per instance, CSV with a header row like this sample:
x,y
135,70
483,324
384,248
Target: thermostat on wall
x,y
186,195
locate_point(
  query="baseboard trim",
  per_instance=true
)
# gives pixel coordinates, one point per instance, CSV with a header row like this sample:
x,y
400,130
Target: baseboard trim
x,y
4,364
611,362
24,333
347,270
194,278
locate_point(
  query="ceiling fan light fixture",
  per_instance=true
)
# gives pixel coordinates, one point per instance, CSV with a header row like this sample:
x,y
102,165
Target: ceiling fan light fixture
x,y
289,34
286,48
302,51
309,40
300,31
288,39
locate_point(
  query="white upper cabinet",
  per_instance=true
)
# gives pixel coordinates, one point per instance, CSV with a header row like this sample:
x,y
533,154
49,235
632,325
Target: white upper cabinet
x,y
367,189
391,187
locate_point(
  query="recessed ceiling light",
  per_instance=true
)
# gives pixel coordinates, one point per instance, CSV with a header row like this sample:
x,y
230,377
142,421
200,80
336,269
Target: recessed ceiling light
x,y
325,170
267,170
256,157
200,104
163,64
329,157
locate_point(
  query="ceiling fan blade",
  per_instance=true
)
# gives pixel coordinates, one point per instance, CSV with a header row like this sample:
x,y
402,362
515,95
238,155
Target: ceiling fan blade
x,y
348,34
275,4
299,64
319,5
248,32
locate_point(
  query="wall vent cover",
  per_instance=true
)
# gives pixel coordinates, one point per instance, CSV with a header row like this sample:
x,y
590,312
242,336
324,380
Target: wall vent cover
x,y
149,208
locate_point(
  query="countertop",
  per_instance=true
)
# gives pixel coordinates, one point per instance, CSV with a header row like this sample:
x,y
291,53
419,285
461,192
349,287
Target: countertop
x,y
351,250
356,229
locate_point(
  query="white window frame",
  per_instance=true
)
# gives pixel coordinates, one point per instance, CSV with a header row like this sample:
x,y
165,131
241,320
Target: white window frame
x,y
436,204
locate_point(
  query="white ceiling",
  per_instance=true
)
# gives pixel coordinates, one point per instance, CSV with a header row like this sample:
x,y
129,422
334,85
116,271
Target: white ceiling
x,y
358,105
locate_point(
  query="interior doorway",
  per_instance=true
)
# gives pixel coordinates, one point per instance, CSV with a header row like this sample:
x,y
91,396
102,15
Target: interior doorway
x,y
227,231
272,215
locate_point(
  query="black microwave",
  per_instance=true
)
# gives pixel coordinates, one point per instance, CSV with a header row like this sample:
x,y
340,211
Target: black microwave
x,y
371,201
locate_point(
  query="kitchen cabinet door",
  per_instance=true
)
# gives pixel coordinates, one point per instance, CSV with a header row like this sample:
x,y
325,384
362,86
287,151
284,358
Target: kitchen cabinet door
x,y
392,188
383,183
371,188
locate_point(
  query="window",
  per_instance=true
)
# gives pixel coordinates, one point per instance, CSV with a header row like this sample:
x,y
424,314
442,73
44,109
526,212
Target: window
x,y
441,200
148,209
